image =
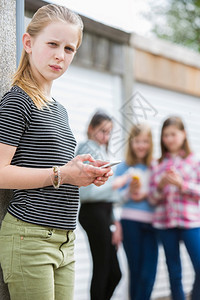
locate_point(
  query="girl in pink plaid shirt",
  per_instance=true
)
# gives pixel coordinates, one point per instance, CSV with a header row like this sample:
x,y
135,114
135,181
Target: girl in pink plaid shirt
x,y
175,192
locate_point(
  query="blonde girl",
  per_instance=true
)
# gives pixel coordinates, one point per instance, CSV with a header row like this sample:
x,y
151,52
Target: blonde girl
x,y
37,162
139,238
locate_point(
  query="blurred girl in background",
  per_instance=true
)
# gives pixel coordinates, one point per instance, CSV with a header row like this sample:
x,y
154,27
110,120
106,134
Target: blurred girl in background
x,y
175,192
139,238
96,214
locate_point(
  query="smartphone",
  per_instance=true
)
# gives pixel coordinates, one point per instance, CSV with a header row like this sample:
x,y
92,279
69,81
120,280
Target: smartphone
x,y
111,164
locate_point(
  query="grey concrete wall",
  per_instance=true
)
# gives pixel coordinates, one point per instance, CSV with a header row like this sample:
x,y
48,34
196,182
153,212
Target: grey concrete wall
x,y
7,68
8,43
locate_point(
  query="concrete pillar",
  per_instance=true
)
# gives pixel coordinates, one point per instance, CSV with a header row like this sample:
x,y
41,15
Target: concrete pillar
x,y
8,43
7,68
127,82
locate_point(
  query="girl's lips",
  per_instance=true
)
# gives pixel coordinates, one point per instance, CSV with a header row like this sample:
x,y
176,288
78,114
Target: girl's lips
x,y
55,67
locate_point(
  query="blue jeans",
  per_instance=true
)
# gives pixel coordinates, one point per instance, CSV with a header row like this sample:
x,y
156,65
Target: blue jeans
x,y
170,239
141,247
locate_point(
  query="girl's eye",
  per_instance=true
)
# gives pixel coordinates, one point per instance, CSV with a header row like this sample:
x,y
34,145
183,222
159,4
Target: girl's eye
x,y
69,50
52,44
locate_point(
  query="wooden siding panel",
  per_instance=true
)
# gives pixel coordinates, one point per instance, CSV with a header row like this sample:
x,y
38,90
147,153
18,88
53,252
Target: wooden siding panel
x,y
166,73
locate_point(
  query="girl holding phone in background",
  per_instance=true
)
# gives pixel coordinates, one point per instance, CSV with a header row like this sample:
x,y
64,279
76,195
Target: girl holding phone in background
x,y
96,213
139,238
175,192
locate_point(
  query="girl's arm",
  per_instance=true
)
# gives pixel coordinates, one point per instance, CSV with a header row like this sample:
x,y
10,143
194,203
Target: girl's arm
x,y
187,187
74,172
155,187
120,181
117,234
191,188
155,195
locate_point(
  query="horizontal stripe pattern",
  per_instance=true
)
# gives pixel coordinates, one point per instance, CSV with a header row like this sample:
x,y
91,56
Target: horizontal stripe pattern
x,y
43,139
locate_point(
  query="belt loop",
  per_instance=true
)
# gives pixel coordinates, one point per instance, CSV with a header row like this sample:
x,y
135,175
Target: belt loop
x,y
50,232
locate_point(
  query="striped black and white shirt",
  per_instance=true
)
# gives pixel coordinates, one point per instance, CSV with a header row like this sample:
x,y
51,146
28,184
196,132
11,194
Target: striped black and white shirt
x,y
43,139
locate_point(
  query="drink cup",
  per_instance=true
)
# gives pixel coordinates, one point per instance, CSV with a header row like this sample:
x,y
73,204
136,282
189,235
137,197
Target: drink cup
x,y
136,177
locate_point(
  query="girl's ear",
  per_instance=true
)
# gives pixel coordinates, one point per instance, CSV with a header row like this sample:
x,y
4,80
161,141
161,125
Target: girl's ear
x,y
26,40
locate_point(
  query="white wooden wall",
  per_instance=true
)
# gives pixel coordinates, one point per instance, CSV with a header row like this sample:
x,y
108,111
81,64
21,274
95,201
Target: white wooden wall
x,y
168,103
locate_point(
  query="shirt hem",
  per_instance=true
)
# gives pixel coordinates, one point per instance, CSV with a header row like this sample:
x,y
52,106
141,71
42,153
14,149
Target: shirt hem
x,y
137,215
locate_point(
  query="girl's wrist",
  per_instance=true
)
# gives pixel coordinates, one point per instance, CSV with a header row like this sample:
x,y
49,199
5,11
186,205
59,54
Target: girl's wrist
x,y
180,185
160,187
56,177
64,178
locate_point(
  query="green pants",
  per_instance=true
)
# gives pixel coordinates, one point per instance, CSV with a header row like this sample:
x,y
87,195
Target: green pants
x,y
37,261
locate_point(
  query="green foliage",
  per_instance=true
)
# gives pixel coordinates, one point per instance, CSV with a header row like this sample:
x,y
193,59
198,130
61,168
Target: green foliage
x,y
177,21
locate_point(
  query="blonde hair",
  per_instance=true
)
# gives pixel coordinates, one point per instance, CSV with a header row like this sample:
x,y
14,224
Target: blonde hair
x,y
136,130
24,77
178,123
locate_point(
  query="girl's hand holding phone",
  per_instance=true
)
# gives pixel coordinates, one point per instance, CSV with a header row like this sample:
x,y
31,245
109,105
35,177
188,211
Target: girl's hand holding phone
x,y
174,178
76,172
104,166
163,182
170,177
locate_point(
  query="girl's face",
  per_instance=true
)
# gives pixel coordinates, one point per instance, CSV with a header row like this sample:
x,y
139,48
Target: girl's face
x,y
101,133
52,50
173,138
141,145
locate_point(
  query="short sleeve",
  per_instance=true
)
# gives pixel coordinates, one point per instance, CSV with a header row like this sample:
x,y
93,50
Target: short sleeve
x,y
14,117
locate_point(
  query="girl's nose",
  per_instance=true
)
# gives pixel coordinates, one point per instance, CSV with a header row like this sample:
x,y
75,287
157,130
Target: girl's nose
x,y
59,55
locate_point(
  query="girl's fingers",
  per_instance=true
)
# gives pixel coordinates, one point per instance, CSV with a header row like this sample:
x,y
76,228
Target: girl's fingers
x,y
108,174
98,182
85,157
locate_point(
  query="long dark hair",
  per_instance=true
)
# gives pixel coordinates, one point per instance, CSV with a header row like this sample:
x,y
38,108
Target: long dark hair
x,y
178,123
99,117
